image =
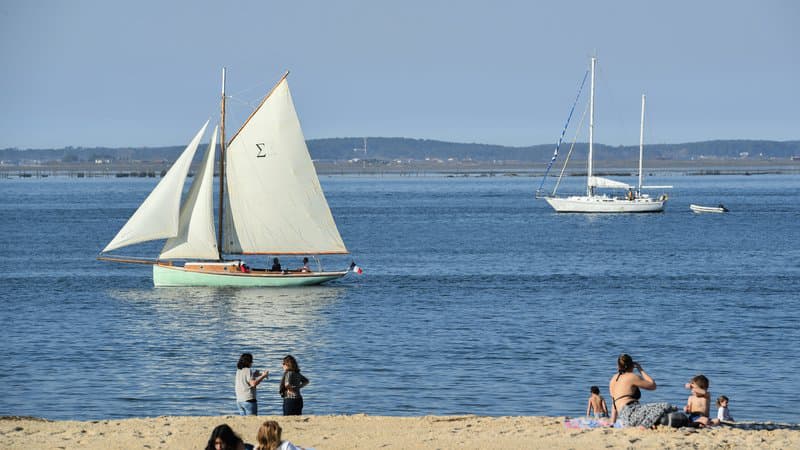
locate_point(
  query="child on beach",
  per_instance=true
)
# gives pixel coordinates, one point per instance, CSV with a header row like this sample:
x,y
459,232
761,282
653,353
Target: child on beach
x,y
697,405
722,412
596,403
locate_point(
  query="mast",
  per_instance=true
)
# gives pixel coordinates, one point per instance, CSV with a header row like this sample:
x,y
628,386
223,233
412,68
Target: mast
x,y
641,149
221,167
590,189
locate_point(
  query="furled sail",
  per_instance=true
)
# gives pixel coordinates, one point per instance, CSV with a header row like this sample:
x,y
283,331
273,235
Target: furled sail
x,y
196,238
275,202
607,183
157,217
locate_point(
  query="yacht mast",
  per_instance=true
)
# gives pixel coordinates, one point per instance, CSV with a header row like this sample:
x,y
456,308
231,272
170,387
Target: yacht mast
x,y
589,188
641,149
221,167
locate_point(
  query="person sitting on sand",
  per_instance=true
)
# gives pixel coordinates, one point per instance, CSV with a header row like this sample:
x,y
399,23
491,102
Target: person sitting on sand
x,y
223,438
722,411
269,438
597,403
625,394
697,405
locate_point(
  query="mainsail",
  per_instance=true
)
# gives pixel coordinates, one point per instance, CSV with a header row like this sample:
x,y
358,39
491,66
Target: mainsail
x,y
196,237
157,217
275,204
595,181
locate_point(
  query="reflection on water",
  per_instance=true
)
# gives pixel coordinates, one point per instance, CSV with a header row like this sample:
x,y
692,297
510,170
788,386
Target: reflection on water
x,y
253,313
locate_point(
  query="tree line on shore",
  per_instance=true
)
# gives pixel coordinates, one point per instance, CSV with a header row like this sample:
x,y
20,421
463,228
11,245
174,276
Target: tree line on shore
x,y
342,149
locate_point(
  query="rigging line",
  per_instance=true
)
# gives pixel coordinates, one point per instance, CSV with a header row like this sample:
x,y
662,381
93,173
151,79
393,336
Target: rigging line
x,y
250,104
571,147
563,131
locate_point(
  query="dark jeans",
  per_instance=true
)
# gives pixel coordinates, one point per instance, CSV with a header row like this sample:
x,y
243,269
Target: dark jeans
x,y
293,406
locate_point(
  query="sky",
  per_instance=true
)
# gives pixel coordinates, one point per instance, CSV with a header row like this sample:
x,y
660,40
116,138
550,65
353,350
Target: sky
x,y
105,73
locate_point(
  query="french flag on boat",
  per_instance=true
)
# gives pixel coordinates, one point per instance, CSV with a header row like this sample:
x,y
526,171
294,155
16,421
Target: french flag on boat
x,y
355,269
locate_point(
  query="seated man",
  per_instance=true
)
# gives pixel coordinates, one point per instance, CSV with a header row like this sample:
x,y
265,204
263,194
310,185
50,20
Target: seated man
x,y
276,265
305,267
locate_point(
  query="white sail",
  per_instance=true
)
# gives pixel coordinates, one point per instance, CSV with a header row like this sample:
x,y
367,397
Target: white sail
x,y
196,238
276,204
157,217
607,183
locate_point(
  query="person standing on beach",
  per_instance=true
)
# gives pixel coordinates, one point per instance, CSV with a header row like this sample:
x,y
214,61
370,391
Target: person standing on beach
x,y
246,381
291,383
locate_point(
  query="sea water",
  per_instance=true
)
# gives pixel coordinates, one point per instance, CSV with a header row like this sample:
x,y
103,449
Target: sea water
x,y
476,299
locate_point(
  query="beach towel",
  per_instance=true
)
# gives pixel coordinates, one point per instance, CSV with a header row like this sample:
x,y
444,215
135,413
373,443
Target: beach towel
x,y
589,422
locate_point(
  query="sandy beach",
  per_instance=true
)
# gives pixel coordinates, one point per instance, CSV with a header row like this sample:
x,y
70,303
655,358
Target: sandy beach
x,y
370,432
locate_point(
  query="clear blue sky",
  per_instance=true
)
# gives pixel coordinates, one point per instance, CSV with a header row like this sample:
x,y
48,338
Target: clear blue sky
x,y
147,73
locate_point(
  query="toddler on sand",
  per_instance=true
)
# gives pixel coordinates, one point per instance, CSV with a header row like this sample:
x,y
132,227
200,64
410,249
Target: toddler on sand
x,y
722,412
697,405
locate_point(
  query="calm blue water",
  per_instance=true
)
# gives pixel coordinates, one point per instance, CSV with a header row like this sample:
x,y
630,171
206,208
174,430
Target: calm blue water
x,y
477,299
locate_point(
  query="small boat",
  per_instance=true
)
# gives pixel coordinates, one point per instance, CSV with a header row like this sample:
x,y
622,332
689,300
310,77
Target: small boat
x,y
635,201
270,203
709,209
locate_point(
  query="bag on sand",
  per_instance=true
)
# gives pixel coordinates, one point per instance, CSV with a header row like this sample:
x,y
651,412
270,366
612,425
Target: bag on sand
x,y
675,419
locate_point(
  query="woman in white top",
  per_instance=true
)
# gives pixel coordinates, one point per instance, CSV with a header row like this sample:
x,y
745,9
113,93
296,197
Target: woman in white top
x,y
722,412
269,438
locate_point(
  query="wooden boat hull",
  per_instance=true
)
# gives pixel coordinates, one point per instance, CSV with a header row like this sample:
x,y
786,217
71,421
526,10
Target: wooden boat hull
x,y
171,276
605,204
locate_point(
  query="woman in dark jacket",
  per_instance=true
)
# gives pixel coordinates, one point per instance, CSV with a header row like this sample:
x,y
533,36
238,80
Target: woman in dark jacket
x,y
291,383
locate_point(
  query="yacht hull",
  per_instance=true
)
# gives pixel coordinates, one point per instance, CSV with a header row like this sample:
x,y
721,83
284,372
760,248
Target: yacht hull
x,y
170,276
604,204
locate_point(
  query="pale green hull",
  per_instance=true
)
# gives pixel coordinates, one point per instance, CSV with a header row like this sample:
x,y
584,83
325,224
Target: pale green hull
x,y
165,276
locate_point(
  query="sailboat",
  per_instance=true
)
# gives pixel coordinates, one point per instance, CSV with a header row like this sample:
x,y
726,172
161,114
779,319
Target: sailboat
x,y
594,202
270,203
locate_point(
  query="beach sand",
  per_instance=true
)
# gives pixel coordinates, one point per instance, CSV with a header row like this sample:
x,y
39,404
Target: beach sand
x,y
378,432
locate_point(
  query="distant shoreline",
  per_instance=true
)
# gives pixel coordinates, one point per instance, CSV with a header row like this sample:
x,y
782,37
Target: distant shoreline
x,y
425,168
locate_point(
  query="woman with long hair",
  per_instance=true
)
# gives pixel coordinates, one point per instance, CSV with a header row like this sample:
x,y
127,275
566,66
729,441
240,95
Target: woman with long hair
x,y
625,394
291,383
269,438
223,438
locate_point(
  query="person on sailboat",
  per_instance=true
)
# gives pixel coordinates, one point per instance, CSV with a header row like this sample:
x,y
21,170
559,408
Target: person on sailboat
x,y
305,267
276,265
